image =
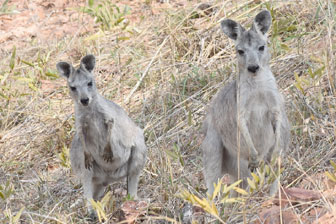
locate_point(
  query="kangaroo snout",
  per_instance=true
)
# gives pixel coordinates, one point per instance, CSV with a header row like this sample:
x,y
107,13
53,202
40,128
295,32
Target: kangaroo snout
x,y
85,101
253,68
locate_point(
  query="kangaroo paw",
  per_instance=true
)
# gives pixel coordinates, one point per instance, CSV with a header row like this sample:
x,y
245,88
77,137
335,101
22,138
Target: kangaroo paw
x,y
254,162
109,123
108,155
88,161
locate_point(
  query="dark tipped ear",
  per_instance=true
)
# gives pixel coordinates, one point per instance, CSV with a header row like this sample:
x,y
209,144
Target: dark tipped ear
x,y
231,28
64,69
88,62
262,21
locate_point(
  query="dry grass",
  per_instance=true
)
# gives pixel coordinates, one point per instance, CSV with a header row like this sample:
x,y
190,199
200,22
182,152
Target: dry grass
x,y
164,75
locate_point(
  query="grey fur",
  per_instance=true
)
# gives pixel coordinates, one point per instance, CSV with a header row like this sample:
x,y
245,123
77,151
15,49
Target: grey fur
x,y
107,146
263,122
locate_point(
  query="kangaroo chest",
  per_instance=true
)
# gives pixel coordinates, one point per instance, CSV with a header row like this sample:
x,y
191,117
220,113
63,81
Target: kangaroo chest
x,y
109,153
259,104
259,115
95,132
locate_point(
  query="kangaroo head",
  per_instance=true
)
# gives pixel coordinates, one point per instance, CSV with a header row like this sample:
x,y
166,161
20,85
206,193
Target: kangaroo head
x,y
251,45
80,81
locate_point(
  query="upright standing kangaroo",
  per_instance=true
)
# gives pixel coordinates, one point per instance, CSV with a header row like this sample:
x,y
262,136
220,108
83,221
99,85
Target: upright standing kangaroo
x,y
262,121
107,146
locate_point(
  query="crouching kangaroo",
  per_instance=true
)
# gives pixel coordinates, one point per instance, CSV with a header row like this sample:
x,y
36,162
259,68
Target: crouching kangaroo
x,y
254,97
107,145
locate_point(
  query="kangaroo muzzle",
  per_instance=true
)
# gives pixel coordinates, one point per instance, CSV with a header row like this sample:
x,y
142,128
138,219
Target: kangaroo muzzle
x,y
84,101
253,68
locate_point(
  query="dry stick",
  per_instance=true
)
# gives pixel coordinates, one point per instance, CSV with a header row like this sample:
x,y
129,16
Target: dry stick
x,y
238,131
146,71
279,189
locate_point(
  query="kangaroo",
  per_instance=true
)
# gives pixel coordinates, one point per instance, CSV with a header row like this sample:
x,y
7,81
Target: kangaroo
x,y
255,99
107,145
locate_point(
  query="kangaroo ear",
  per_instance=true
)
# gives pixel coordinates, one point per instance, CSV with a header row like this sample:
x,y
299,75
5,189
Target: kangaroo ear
x,y
231,28
262,21
88,62
64,69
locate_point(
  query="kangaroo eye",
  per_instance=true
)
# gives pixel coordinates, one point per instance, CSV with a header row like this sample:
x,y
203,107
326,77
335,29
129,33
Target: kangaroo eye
x,y
90,84
73,88
241,52
262,48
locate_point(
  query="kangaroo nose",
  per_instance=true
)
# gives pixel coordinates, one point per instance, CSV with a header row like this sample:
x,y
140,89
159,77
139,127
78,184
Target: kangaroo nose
x,y
85,101
253,68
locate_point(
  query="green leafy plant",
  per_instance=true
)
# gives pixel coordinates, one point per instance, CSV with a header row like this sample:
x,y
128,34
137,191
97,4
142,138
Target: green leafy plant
x,y
12,60
221,195
263,176
13,219
332,175
64,157
100,206
41,65
6,190
5,9
107,14
312,78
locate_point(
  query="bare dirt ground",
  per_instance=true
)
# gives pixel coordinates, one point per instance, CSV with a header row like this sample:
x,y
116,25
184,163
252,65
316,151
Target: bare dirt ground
x,y
163,63
41,21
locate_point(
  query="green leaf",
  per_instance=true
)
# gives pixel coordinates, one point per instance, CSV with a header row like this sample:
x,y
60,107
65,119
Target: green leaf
x,y
4,96
217,189
90,3
122,38
284,47
319,71
2,196
51,74
333,164
99,209
18,215
119,21
240,191
291,28
171,154
189,118
106,198
12,60
251,183
95,36
255,177
232,186
33,87
27,63
64,157
331,176
232,200
298,83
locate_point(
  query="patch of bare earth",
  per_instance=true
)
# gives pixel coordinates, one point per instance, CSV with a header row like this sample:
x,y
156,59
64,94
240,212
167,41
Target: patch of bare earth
x,y
42,21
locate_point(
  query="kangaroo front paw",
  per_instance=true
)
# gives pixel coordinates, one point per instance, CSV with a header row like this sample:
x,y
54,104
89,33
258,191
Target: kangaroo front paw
x,y
253,162
108,156
88,161
109,123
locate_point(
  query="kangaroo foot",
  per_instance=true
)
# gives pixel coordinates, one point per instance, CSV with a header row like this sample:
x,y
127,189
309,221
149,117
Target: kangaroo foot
x,y
254,162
